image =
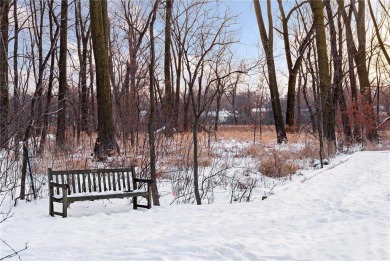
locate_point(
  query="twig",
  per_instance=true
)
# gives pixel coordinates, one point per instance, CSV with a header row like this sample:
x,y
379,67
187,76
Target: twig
x,y
15,253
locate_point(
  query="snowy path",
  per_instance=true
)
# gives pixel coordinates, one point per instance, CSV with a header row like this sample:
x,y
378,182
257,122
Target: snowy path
x,y
340,214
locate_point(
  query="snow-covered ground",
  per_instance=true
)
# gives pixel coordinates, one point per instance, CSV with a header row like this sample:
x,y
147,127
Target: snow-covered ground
x,y
342,213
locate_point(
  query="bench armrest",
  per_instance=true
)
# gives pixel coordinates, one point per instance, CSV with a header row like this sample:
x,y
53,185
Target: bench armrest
x,y
149,181
53,184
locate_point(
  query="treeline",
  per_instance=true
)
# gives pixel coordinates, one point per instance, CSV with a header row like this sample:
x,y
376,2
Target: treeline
x,y
118,68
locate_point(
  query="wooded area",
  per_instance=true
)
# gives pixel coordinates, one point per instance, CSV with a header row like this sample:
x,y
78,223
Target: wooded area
x,y
110,73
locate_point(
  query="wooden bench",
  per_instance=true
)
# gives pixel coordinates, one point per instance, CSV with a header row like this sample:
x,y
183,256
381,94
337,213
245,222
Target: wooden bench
x,y
70,186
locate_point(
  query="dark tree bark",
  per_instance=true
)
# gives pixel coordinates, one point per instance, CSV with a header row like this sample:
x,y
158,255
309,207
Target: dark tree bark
x,y
152,113
178,58
338,96
169,95
4,96
327,108
267,41
362,71
351,52
62,81
53,40
16,98
37,36
293,68
83,36
91,86
100,37
312,112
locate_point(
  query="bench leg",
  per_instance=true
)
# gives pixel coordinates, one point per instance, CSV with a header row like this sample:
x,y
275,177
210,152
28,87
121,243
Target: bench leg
x,y
64,204
149,196
51,204
64,209
134,202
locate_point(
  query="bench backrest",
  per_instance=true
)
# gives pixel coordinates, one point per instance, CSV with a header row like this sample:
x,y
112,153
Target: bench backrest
x,y
93,180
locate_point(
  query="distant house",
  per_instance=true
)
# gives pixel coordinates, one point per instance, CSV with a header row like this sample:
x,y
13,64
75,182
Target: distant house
x,y
383,110
224,116
260,110
143,113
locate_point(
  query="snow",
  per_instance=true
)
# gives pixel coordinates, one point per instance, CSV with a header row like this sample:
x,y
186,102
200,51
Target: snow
x,y
341,212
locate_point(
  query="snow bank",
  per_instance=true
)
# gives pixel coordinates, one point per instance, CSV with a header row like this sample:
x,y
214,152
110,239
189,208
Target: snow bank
x,y
342,213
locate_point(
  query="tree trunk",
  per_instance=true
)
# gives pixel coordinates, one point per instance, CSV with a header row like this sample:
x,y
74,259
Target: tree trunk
x,y
351,49
311,113
152,113
327,108
133,91
91,85
50,86
4,96
62,81
177,93
83,35
100,37
338,70
186,109
218,109
169,95
196,163
360,60
273,86
16,98
292,68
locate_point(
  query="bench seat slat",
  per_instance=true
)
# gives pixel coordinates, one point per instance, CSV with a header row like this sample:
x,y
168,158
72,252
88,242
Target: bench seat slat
x,y
75,198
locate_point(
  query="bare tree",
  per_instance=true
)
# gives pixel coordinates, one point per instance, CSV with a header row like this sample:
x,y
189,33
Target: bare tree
x,y
208,38
54,32
83,35
106,142
267,41
36,34
327,108
4,99
338,68
62,89
293,68
169,94
378,34
137,23
351,52
362,71
152,113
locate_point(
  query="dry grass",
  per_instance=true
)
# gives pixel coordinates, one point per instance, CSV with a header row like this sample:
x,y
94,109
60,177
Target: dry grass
x,y
277,166
307,152
177,152
266,137
253,150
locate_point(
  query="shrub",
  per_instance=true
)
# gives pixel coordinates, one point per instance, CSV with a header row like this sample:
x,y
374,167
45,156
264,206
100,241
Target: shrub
x,y
276,166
